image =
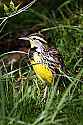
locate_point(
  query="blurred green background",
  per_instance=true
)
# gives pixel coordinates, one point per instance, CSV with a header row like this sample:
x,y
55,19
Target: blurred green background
x,y
61,23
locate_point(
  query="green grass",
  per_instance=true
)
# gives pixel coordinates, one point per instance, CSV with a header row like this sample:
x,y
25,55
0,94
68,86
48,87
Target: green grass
x,y
25,105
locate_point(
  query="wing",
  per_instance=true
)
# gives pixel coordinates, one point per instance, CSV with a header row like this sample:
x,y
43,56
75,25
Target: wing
x,y
54,59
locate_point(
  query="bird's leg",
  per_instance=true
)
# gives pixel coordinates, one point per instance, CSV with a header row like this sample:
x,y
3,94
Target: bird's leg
x,y
45,92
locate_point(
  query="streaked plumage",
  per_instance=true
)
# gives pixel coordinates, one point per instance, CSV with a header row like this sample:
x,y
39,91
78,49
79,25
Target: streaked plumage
x,y
46,60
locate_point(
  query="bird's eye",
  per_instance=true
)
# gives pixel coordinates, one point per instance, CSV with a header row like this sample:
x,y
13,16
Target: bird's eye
x,y
34,38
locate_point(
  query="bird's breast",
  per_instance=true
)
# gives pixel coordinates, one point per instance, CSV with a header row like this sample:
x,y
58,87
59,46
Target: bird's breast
x,y
43,72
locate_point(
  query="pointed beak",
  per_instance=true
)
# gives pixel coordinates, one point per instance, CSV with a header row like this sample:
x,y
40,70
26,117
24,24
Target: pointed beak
x,y
24,38
29,40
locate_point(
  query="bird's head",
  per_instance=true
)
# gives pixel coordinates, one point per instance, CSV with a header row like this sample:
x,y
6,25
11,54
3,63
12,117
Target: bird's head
x,y
35,40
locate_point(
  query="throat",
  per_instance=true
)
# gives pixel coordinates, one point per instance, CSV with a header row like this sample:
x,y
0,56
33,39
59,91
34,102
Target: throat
x,y
40,49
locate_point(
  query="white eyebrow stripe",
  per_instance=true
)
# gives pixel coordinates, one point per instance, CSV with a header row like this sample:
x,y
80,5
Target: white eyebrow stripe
x,y
38,38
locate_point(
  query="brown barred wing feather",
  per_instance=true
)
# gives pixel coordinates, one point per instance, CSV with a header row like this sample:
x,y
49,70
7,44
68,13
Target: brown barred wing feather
x,y
54,59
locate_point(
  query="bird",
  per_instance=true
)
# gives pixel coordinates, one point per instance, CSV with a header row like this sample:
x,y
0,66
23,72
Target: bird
x,y
46,61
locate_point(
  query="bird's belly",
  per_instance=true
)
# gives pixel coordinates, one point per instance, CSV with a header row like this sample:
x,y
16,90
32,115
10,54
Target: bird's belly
x,y
43,72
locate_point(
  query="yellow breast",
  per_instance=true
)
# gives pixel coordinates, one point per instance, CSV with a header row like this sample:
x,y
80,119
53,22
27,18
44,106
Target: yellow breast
x,y
43,72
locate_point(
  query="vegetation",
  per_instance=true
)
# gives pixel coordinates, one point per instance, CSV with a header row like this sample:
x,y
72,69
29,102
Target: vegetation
x,y
21,92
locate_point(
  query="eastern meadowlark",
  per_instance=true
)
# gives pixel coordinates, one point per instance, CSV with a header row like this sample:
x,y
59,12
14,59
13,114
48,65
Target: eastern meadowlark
x,y
46,61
